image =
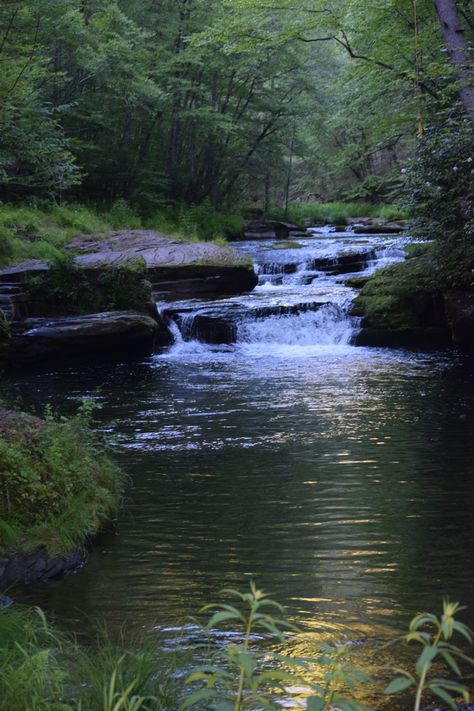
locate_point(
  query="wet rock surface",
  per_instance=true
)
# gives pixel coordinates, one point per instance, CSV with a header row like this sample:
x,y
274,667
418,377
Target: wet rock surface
x,y
38,566
83,335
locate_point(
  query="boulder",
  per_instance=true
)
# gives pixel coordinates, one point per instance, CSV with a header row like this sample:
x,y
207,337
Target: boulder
x,y
14,424
37,566
402,306
102,333
271,229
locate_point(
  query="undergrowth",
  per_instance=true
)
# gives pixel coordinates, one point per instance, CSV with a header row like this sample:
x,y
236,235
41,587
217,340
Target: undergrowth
x,y
336,213
58,485
42,669
42,230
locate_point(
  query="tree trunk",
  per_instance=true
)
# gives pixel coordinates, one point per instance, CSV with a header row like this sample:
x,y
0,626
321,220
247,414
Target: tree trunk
x,y
459,52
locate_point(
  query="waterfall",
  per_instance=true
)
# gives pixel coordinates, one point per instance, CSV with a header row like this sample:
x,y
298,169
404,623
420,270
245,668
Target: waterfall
x,y
330,325
301,306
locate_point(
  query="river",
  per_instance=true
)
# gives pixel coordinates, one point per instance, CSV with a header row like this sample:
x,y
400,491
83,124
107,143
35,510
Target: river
x,y
340,478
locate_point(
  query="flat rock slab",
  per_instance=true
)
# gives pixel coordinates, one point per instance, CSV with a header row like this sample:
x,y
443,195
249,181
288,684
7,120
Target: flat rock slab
x,y
157,251
102,332
172,265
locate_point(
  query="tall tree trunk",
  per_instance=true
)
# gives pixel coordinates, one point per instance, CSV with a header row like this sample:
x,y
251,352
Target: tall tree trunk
x,y
459,52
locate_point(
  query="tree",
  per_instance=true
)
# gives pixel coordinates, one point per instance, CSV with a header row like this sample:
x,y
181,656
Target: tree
x,y
458,50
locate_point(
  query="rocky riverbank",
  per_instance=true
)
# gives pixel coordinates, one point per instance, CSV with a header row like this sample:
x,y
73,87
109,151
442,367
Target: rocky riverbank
x,y
100,299
412,304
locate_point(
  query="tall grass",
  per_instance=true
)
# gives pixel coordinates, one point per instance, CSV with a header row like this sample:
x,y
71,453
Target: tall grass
x,y
44,670
336,213
42,231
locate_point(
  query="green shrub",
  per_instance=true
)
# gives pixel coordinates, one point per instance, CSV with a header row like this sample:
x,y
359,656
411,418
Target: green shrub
x,y
438,185
195,222
121,216
58,485
44,670
66,289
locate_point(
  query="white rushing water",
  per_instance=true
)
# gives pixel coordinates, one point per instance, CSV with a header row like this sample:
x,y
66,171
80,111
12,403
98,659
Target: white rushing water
x,y
301,304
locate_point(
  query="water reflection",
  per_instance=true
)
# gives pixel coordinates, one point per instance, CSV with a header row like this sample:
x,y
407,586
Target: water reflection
x,y
343,485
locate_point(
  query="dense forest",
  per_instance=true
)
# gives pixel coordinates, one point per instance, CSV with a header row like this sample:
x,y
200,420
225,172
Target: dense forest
x,y
232,102
236,301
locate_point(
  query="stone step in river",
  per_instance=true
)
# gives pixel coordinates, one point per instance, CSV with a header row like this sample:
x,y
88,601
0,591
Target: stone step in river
x,y
301,297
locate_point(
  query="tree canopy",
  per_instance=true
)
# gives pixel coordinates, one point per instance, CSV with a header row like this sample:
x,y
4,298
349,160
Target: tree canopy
x,y
223,100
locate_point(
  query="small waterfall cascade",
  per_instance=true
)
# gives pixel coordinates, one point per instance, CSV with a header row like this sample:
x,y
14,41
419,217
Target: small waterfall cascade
x,y
301,299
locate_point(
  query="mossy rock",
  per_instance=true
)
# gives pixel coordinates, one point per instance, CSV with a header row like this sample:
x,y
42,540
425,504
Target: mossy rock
x,y
403,299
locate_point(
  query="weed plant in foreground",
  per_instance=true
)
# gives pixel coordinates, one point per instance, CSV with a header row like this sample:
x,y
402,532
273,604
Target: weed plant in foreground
x,y
42,669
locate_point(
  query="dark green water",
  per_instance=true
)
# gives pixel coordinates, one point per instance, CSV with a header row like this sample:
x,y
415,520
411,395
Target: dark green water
x,y
339,478
342,482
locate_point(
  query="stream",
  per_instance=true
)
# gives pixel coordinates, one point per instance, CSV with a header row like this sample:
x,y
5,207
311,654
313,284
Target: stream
x,y
340,478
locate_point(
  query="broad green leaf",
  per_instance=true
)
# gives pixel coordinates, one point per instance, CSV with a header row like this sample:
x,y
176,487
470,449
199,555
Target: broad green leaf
x,y
248,662
451,662
315,703
201,695
222,616
399,684
425,658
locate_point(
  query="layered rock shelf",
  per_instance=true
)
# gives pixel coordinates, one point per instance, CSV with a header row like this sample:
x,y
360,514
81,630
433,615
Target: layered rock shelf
x,y
174,268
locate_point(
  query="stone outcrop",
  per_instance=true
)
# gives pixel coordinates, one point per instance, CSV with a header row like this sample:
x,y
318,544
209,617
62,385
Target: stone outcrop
x,y
376,226
38,566
402,307
171,265
14,424
4,337
270,229
72,336
175,269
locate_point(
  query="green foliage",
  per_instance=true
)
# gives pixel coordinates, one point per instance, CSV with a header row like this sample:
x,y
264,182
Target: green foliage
x,y
44,670
58,485
433,635
439,185
336,213
196,222
400,296
67,289
41,231
121,216
240,676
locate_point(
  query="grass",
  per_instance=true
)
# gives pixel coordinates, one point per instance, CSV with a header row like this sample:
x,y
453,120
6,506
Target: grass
x,y
58,485
44,670
336,213
42,231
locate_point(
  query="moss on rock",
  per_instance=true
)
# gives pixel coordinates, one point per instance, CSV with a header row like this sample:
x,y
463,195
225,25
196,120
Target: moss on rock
x,y
402,305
